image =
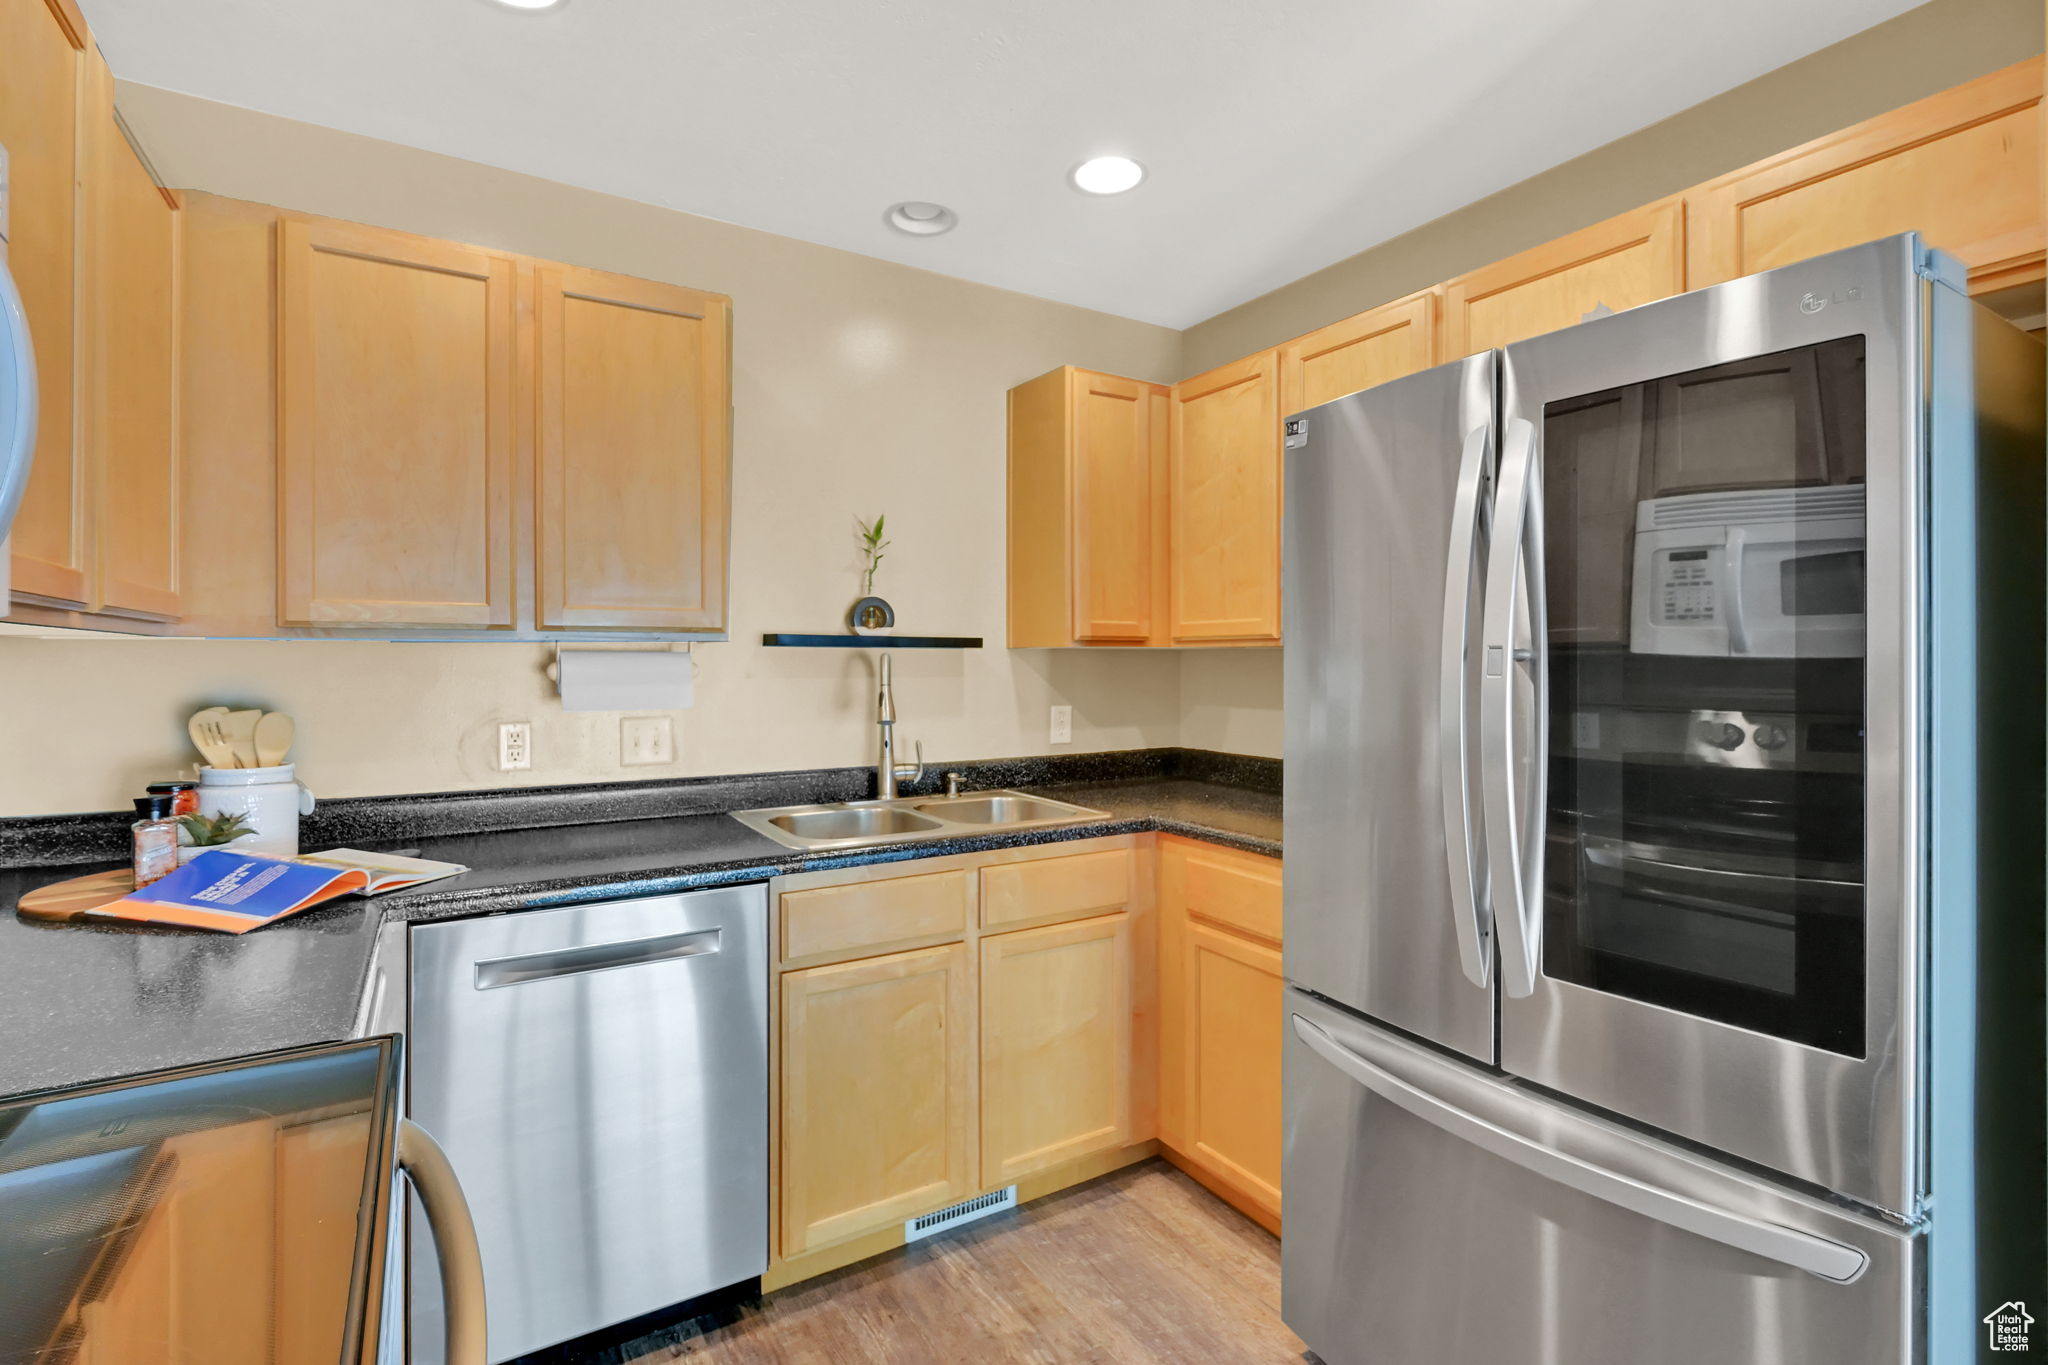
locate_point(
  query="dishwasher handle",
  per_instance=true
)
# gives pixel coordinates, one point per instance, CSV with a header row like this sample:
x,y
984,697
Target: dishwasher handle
x,y
455,1242
513,971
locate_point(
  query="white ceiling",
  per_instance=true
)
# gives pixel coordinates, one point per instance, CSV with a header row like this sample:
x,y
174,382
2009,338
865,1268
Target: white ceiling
x,y
1279,137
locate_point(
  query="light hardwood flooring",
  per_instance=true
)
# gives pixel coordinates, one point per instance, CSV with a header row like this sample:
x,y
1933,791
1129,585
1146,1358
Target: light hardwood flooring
x,y
1140,1266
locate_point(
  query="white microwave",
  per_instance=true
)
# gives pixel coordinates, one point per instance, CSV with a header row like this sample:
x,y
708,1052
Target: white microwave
x,y
1750,573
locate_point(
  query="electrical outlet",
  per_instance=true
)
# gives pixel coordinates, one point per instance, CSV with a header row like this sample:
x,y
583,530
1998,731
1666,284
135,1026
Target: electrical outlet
x,y
515,746
1061,731
646,740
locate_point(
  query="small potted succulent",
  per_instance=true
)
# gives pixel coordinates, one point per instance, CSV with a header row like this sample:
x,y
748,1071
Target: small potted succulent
x,y
870,615
204,833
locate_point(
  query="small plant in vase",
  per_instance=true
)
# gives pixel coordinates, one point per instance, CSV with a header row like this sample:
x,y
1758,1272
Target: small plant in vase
x,y
871,615
211,832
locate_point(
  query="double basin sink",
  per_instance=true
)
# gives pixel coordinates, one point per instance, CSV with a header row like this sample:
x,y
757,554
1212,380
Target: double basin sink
x,y
863,824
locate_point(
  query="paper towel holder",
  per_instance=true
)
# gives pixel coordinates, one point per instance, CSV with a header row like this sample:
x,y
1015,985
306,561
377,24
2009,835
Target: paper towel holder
x,y
554,669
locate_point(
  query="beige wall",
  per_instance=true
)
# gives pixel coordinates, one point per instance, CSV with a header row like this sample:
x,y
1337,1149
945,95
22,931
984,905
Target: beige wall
x,y
860,387
1232,702
1915,55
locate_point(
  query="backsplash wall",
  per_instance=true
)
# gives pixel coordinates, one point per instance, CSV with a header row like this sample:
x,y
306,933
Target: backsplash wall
x,y
860,387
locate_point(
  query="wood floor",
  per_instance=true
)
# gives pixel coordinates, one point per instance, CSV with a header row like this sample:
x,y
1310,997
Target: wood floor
x,y
1140,1266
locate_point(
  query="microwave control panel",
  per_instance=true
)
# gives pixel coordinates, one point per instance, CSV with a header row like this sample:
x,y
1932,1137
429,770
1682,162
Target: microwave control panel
x,y
1687,592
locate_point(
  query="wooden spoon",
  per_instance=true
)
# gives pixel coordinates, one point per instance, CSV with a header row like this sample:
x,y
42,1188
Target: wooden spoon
x,y
274,736
239,729
201,729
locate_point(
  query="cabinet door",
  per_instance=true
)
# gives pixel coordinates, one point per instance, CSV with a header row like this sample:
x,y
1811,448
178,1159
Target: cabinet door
x,y
1626,261
52,535
1115,444
395,429
877,1102
1377,345
633,451
1226,502
1055,1045
1232,991
1963,168
132,274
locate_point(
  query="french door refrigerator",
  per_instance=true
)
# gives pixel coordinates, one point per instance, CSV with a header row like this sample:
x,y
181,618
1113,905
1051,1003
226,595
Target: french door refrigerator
x,y
1663,785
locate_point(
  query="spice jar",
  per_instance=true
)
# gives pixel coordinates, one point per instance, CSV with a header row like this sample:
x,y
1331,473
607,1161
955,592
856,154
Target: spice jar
x,y
155,840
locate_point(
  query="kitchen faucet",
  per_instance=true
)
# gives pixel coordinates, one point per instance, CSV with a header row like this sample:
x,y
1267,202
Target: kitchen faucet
x,y
887,771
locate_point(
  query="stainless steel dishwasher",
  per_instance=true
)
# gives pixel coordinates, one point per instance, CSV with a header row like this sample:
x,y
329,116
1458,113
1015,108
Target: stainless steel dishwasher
x,y
599,1079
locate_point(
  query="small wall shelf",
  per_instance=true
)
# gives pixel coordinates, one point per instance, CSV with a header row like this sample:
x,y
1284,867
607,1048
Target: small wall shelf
x,y
873,641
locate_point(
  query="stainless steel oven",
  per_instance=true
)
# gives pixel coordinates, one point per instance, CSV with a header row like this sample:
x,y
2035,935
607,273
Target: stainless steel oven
x,y
1715,904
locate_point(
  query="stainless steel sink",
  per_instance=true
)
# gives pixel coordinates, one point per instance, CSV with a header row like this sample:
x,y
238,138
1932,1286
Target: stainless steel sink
x,y
851,822
997,809
862,824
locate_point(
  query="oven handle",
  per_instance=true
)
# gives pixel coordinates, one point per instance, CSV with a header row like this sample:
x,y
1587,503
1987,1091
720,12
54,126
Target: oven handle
x,y
1469,911
1514,842
1819,1256
1621,855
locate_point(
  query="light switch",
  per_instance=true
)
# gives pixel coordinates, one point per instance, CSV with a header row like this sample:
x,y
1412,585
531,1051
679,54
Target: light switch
x,y
646,740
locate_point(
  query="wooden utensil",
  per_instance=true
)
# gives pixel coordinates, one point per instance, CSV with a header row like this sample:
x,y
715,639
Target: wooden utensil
x,y
74,897
206,738
239,729
274,736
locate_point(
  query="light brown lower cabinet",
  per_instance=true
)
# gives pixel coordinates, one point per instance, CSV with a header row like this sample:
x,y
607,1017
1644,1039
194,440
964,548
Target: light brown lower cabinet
x,y
1055,1045
1221,1021
877,1102
911,1075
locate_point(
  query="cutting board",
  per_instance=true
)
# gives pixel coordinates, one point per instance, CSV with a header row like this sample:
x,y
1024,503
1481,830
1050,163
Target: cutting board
x,y
72,898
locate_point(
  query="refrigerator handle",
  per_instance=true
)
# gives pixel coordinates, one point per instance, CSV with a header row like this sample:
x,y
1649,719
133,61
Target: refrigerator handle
x,y
455,1242
1514,833
1469,911
1819,1256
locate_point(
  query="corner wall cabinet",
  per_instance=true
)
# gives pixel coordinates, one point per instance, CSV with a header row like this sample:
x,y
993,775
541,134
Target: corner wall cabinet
x,y
1088,530
94,251
1225,497
1963,167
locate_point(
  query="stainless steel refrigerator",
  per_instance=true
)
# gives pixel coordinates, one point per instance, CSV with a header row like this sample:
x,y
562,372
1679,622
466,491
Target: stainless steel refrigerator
x,y
1663,874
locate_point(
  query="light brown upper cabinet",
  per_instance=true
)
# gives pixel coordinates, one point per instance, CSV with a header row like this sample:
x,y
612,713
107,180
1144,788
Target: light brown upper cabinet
x,y
1377,345
396,382
130,269
1628,260
1087,515
41,68
632,453
1962,167
1225,500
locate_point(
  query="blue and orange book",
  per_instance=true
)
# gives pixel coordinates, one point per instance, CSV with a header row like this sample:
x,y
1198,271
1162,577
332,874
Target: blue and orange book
x,y
237,892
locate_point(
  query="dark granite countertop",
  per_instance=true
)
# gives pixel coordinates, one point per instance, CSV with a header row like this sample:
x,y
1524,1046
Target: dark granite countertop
x,y
87,1002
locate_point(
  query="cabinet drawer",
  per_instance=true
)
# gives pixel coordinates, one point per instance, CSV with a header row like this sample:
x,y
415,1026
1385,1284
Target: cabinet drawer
x,y
1048,890
1239,891
861,918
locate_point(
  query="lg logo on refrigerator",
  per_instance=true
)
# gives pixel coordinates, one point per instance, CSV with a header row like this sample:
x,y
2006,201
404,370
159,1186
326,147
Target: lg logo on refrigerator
x,y
1813,303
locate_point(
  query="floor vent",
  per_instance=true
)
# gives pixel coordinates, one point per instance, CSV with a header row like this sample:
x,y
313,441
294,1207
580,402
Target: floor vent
x,y
966,1211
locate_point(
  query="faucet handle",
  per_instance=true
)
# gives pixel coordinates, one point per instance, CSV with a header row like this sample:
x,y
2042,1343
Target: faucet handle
x,y
906,773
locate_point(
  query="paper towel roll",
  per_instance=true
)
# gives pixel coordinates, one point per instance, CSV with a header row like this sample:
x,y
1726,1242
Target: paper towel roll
x,y
624,680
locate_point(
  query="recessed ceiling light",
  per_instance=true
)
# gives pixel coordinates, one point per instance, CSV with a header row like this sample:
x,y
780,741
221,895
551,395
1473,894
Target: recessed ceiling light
x,y
921,219
529,4
1108,174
